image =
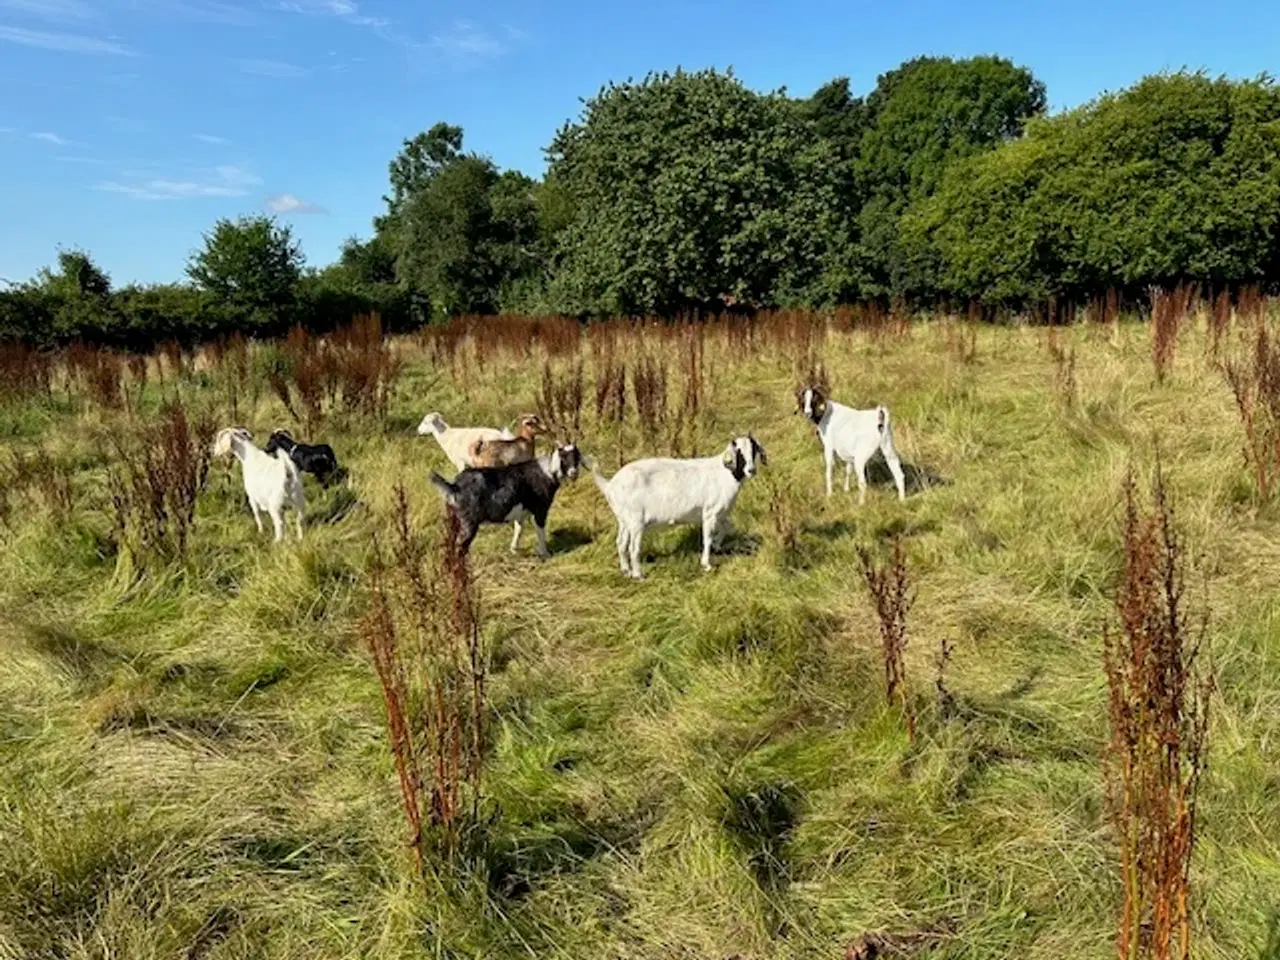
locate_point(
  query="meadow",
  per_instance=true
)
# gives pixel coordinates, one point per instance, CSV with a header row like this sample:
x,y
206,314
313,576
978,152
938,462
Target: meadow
x,y
194,754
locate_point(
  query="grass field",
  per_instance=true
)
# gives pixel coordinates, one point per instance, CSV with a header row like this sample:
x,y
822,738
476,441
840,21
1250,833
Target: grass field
x,y
193,755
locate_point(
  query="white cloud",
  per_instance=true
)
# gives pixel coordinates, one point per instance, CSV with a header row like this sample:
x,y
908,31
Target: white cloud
x,y
223,181
272,68
466,40
49,9
288,203
64,42
50,138
347,10
204,11
211,139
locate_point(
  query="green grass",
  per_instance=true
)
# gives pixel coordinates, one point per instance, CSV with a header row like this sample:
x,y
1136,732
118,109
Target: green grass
x,y
193,761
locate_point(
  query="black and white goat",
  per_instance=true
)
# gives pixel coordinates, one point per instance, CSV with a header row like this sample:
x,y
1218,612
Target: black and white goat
x,y
852,436
660,491
480,495
271,480
317,459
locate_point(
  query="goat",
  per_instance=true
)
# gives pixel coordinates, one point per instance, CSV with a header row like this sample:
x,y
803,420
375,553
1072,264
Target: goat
x,y
456,441
852,436
317,459
503,452
270,480
658,490
480,495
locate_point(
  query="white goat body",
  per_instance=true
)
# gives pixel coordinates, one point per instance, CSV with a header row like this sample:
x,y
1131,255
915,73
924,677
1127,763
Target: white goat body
x,y
661,491
456,442
271,481
852,436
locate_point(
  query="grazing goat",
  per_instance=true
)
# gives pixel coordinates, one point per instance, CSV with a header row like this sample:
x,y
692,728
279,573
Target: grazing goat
x,y
852,436
317,459
456,441
503,452
270,480
480,495
660,491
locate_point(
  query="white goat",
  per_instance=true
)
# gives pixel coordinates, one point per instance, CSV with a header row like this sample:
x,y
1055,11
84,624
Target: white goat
x,y
852,436
662,491
270,480
456,442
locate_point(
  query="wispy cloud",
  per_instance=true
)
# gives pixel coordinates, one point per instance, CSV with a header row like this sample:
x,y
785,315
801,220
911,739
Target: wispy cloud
x,y
202,11
466,40
50,138
224,181
272,68
64,42
347,10
210,138
61,10
285,203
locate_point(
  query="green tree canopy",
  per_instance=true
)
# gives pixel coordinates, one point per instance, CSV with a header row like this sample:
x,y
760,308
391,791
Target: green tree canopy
x,y
922,118
251,268
1177,178
461,232
688,186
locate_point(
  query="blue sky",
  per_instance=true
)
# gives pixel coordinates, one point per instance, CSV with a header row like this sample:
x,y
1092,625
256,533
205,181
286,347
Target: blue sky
x,y
127,127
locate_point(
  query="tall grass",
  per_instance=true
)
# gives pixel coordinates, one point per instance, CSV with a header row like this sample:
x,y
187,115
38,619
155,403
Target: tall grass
x,y
155,475
889,587
702,765
1159,710
1254,379
423,633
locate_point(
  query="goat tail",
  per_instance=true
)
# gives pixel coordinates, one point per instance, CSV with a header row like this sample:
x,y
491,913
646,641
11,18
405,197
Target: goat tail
x,y
601,480
290,468
446,488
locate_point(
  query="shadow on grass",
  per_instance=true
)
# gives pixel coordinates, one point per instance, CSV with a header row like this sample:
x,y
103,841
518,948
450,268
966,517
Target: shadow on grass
x,y
141,720
917,478
518,856
568,539
84,659
736,544
333,506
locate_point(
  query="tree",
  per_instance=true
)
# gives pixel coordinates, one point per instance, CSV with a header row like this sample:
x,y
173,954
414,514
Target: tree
x,y
922,118
686,187
1177,178
464,235
251,267
369,262
78,298
419,160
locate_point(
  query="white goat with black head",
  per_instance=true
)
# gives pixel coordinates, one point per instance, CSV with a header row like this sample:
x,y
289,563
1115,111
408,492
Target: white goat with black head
x,y
661,491
271,480
852,436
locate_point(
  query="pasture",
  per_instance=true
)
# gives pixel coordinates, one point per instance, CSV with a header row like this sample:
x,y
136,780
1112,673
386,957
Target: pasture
x,y
194,753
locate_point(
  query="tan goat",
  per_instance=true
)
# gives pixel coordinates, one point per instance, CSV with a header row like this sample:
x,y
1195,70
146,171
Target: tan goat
x,y
494,452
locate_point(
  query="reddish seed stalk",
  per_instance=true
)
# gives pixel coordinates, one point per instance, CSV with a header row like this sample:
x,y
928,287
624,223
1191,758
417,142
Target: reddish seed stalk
x,y
892,599
424,635
1158,707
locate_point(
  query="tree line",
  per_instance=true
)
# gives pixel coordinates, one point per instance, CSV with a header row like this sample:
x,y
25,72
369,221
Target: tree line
x,y
946,183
